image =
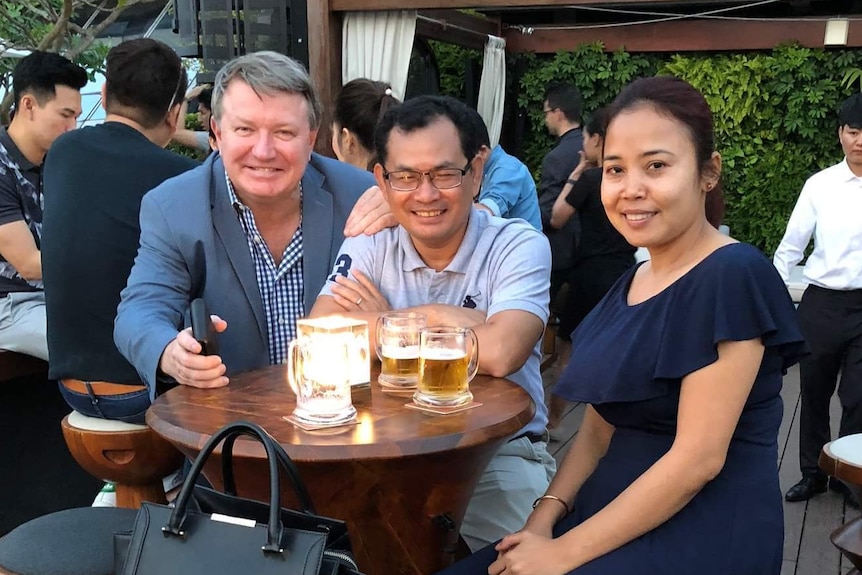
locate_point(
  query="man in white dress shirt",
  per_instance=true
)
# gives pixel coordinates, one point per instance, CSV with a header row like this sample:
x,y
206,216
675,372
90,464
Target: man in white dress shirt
x,y
830,313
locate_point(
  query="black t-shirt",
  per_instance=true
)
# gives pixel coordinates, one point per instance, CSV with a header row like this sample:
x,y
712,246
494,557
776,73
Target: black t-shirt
x,y
94,179
598,235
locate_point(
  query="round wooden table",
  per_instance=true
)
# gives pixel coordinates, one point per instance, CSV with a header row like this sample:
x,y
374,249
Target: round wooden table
x,y
401,479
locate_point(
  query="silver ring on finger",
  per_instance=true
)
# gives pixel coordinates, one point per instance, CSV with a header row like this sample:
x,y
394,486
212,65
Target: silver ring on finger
x,y
359,301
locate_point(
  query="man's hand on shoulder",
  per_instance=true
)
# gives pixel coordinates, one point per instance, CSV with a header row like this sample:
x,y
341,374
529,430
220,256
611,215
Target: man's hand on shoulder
x,y
370,214
182,360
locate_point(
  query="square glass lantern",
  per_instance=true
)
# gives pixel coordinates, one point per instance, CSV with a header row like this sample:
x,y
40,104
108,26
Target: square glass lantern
x,y
341,330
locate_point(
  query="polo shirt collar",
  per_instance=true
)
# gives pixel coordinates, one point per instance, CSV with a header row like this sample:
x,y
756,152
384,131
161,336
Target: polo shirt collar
x,y
14,153
461,261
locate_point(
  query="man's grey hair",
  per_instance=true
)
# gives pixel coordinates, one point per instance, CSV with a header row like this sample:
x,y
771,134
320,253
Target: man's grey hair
x,y
268,73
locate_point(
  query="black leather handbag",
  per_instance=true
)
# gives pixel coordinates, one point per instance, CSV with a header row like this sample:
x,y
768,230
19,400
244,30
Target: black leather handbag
x,y
206,532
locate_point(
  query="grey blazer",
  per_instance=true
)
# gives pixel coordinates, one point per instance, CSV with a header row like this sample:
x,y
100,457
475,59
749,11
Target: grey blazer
x,y
193,245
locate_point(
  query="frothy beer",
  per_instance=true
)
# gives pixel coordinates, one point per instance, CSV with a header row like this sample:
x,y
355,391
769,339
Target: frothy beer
x,y
443,372
400,363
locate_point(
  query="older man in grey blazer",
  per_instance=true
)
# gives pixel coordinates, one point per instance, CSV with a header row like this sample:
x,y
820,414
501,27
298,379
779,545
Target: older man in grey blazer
x,y
253,231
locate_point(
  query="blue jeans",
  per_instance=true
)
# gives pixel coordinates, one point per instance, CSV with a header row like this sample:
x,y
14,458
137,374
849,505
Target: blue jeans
x,y
127,407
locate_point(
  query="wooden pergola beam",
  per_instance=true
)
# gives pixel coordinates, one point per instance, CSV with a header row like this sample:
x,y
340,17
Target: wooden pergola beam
x,y
368,5
324,49
456,27
681,36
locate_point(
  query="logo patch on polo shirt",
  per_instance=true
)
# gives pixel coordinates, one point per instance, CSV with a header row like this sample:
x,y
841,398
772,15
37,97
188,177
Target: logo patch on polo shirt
x,y
341,267
469,302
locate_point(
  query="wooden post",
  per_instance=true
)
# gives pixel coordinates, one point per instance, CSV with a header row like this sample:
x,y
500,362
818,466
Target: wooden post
x,y
324,64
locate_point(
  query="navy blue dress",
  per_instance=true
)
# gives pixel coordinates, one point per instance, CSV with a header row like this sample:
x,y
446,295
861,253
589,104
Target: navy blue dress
x,y
628,362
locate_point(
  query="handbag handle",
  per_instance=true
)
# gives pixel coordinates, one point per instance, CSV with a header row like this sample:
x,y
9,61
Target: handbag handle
x,y
274,528
303,497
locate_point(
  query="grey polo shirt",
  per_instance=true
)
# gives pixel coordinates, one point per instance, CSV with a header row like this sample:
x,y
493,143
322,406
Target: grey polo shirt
x,y
501,265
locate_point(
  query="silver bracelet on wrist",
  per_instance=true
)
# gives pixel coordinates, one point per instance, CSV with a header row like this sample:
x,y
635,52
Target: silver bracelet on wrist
x,y
553,497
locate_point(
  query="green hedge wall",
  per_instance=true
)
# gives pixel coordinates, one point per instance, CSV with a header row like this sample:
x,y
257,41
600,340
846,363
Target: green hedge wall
x,y
775,115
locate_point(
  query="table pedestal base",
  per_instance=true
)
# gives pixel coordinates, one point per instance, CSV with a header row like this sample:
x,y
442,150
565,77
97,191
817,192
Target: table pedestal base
x,y
848,539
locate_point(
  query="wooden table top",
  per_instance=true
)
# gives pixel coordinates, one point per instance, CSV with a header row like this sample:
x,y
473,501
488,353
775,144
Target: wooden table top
x,y
187,416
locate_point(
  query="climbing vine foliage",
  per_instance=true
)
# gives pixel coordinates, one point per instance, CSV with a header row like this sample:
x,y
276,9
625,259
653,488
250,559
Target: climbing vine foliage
x,y
775,116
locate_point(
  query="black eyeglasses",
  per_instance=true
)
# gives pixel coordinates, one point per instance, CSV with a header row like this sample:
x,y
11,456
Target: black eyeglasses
x,y
441,178
549,110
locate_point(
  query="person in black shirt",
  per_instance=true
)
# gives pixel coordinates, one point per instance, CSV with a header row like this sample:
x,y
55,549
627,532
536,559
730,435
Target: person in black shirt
x,y
95,178
603,254
563,107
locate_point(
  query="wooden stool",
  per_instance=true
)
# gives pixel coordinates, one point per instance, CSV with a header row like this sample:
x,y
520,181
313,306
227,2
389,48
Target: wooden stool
x,y
129,455
842,459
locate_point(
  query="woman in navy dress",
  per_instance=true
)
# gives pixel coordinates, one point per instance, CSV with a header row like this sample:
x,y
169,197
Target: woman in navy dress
x,y
673,470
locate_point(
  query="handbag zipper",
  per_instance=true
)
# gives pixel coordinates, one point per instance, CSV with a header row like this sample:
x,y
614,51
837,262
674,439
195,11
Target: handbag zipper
x,y
342,557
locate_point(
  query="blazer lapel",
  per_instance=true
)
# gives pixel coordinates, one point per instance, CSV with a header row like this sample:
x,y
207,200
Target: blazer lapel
x,y
317,233
230,231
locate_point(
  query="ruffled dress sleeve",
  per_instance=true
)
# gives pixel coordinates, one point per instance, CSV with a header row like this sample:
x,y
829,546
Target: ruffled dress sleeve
x,y
624,353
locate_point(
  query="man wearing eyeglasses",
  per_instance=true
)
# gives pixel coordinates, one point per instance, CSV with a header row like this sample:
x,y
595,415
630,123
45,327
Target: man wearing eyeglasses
x,y
462,267
563,107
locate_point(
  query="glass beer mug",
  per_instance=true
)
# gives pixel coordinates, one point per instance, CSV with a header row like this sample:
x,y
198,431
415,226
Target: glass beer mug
x,y
338,330
398,348
318,371
448,361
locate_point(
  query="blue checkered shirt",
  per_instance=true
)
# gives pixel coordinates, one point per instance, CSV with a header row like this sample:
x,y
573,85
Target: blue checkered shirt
x,y
281,288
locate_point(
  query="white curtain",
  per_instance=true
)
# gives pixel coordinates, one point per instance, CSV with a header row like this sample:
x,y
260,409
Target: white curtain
x,y
377,45
492,87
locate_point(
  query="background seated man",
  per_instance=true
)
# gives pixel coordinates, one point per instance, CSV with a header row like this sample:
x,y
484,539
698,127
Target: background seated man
x,y
95,178
463,267
253,231
508,189
47,93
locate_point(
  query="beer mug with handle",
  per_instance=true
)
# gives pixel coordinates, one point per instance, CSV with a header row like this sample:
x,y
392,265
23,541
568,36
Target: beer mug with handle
x,y
448,361
318,371
398,348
